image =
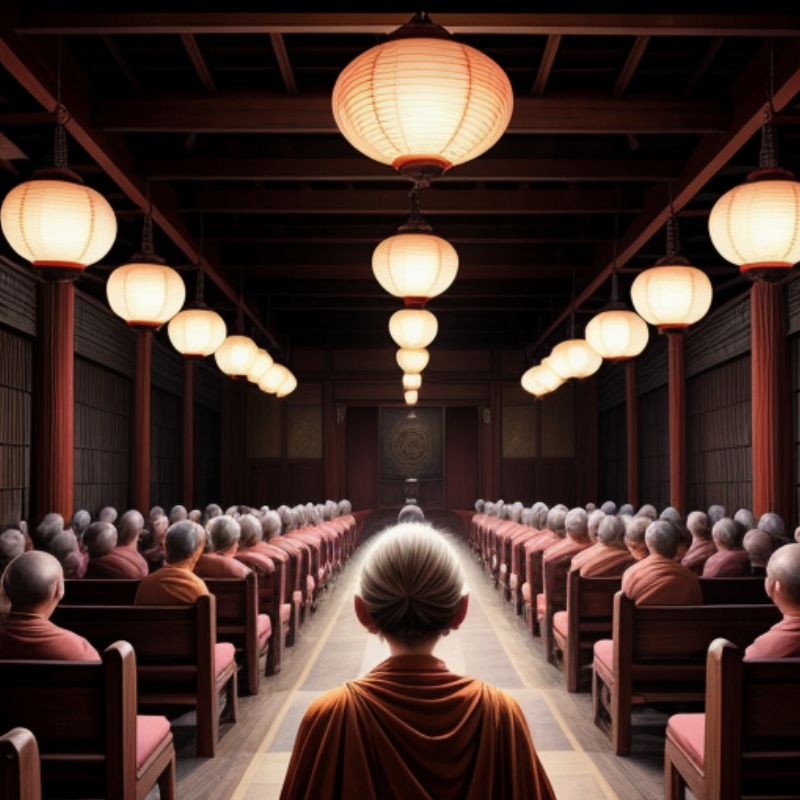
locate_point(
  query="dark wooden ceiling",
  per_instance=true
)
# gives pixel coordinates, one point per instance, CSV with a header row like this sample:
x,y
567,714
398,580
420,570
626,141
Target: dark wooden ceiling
x,y
226,116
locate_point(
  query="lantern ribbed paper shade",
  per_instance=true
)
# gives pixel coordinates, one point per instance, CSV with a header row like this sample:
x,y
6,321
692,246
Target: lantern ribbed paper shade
x,y
58,223
574,358
411,397
413,360
547,378
531,383
419,99
412,381
145,294
288,386
617,334
757,225
197,331
672,297
272,380
236,355
415,265
413,327
261,363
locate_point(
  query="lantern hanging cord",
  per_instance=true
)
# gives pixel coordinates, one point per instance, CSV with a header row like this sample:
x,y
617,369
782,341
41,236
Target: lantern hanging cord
x,y
768,154
147,231
60,155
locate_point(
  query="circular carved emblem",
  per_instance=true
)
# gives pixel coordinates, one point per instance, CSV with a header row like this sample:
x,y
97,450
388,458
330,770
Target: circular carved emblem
x,y
410,446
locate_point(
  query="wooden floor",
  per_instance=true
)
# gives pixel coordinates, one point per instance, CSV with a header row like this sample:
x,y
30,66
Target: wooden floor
x,y
492,645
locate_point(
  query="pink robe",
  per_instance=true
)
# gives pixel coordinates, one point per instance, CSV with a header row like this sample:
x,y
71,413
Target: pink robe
x,y
659,581
782,640
605,562
121,562
697,555
566,549
214,565
30,636
727,564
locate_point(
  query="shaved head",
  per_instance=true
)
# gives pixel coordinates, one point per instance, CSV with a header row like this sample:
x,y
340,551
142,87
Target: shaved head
x,y
647,511
130,527
626,510
575,523
772,524
271,524
698,524
611,531
50,526
107,514
225,534
100,538
33,579
593,522
662,538
716,513
727,534
609,507
251,532
744,519
759,546
81,521
783,568
411,513
177,514
183,540
12,544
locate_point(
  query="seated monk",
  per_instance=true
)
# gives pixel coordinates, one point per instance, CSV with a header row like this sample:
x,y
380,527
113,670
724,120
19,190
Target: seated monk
x,y
124,561
673,516
609,557
731,559
576,539
81,520
107,514
609,507
411,513
648,511
224,535
744,519
773,524
659,580
212,510
12,544
759,546
66,548
716,513
195,515
99,539
175,584
50,526
410,728
625,510
33,586
703,546
782,640
153,541
635,529
178,514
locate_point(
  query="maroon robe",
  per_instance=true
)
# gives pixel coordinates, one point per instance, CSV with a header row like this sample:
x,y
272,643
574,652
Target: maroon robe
x,y
604,562
728,564
659,581
697,555
215,565
782,640
121,562
31,636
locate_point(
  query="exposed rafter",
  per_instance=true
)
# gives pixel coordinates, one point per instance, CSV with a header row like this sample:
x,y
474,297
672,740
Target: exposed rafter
x,y
284,65
630,66
122,63
546,64
198,62
705,62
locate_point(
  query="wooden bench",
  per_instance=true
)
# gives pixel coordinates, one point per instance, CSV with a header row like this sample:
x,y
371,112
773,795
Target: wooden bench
x,y
658,655
179,663
747,744
535,582
83,714
237,614
20,774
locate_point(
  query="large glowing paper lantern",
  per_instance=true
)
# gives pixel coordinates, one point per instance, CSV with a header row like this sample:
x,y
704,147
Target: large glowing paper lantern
x,y
412,381
58,224
235,356
197,332
272,380
416,266
574,358
672,296
413,328
547,378
145,294
617,334
531,383
288,385
421,101
412,361
261,363
411,397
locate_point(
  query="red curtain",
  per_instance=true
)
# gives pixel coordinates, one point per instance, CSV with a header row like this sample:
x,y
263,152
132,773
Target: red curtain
x,y
461,457
362,457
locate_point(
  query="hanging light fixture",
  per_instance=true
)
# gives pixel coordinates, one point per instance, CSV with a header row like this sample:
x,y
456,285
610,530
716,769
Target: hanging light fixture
x,y
145,292
53,220
272,380
235,356
197,331
531,383
414,264
262,362
546,378
412,381
412,360
287,387
421,101
673,294
413,328
411,397
574,358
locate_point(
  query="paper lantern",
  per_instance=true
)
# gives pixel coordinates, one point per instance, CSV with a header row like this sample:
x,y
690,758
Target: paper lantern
x,y
288,386
236,355
197,332
617,334
531,383
411,397
416,266
757,225
145,294
422,101
58,224
261,363
272,380
412,380
672,296
546,378
412,361
413,328
575,358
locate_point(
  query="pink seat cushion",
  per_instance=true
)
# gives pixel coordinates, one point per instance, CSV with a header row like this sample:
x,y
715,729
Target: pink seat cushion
x,y
541,606
264,628
689,731
286,612
561,623
512,581
310,584
297,597
150,733
526,592
604,655
223,656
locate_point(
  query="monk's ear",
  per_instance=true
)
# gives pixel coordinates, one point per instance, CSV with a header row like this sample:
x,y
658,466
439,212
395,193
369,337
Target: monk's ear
x,y
458,619
363,615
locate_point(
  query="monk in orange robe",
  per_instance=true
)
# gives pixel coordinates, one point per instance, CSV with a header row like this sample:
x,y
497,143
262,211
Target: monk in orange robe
x,y
33,585
702,547
608,557
175,584
782,640
411,729
225,533
731,559
659,580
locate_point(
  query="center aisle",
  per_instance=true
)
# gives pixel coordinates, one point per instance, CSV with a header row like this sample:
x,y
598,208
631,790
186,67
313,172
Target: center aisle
x,y
491,645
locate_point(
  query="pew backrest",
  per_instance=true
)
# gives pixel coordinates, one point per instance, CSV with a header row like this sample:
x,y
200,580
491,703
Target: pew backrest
x,y
732,591
20,776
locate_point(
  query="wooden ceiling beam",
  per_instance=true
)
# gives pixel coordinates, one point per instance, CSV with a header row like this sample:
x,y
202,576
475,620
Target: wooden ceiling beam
x,y
710,155
198,62
122,63
705,62
588,114
630,66
284,64
546,64
492,23
357,169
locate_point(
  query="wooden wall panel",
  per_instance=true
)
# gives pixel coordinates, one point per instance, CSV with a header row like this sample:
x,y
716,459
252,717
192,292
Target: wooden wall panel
x,y
610,386
612,436
263,425
519,481
304,432
208,455
103,401
16,376
719,431
794,350
362,456
461,457
306,482
558,423
720,337
654,448
17,298
166,448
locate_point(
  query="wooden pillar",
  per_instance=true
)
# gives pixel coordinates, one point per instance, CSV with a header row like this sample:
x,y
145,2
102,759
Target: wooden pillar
x,y
677,421
141,422
771,417
54,463
187,487
632,431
